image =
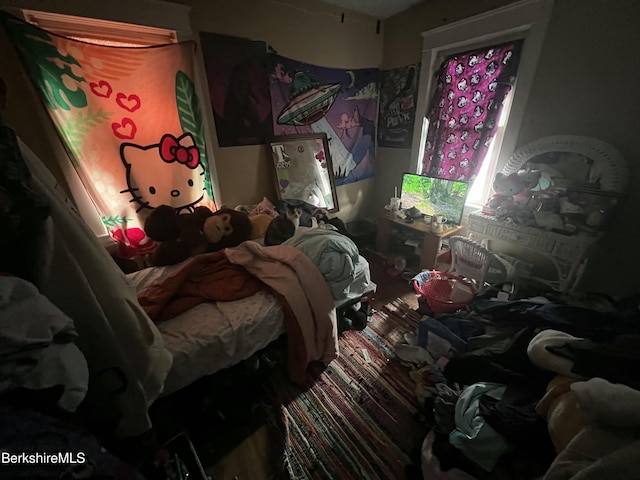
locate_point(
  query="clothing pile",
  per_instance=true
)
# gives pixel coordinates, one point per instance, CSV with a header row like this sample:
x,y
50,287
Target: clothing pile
x,y
529,389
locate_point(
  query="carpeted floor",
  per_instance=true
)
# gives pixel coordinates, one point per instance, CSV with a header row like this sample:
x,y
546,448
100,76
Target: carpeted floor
x,y
361,419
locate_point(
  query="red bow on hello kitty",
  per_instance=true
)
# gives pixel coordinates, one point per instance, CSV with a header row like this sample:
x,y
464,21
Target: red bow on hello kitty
x,y
172,151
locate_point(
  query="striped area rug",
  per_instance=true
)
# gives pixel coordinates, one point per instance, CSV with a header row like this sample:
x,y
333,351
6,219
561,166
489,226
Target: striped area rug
x,y
360,420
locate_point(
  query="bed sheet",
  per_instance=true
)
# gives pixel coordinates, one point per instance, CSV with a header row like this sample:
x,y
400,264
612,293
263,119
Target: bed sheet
x,y
214,336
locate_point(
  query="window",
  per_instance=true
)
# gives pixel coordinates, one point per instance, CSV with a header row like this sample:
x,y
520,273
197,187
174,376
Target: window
x,y
93,188
526,20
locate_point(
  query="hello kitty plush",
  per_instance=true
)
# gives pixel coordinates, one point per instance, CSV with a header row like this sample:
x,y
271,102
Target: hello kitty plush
x,y
506,188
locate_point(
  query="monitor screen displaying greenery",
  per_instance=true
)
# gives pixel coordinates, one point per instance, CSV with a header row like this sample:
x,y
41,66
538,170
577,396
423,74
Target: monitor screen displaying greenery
x,y
434,196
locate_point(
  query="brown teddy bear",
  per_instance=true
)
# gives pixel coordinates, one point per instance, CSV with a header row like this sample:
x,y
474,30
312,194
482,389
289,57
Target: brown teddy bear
x,y
181,236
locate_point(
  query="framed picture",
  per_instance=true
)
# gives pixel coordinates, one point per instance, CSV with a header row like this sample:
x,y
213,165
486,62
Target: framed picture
x,y
303,170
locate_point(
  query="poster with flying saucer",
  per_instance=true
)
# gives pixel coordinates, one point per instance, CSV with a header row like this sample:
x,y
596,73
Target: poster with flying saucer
x,y
341,103
398,95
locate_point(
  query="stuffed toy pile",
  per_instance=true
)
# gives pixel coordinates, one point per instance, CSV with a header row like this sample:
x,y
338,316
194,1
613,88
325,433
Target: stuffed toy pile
x,y
181,236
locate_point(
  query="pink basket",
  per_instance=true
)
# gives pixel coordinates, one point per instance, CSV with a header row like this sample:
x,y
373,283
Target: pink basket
x,y
437,292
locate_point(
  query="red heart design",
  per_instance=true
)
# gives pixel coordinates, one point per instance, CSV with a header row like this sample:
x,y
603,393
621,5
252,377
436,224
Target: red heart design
x,y
124,130
130,103
101,89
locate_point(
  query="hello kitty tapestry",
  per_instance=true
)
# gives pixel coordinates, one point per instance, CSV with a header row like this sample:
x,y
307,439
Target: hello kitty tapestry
x,y
131,122
465,109
341,103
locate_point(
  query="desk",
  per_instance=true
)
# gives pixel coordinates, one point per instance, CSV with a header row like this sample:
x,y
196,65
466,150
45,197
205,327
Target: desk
x,y
431,242
568,253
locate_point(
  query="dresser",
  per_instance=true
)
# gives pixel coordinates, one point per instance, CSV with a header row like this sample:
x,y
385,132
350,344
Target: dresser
x,y
567,253
591,176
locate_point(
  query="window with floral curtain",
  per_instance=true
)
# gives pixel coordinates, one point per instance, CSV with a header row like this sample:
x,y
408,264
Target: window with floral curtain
x,y
130,120
465,107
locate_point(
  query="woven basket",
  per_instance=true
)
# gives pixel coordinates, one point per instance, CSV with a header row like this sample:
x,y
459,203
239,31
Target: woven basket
x,y
437,292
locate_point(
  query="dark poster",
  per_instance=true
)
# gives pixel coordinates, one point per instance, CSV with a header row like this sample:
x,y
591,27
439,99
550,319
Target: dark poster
x,y
239,89
398,96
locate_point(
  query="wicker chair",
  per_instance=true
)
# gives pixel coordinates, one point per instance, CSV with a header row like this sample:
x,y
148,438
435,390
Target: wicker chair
x,y
474,262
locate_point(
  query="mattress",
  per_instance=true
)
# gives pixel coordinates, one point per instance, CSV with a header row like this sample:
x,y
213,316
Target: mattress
x,y
214,336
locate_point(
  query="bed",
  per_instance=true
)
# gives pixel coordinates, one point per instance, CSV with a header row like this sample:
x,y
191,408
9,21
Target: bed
x,y
213,336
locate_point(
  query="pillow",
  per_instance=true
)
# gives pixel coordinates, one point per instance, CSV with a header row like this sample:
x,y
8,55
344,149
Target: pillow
x,y
264,207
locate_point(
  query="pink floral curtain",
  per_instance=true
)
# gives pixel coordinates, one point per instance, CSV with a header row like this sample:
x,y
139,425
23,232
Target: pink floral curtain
x,y
471,88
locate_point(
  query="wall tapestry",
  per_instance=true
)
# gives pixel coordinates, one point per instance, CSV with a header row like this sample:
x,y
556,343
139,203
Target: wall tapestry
x,y
239,89
398,98
130,120
341,103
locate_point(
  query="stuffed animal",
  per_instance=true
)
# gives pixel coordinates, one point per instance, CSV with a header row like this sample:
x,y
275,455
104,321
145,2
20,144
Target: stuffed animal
x,y
510,192
181,236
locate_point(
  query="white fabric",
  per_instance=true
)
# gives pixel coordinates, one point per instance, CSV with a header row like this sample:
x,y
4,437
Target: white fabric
x,y
114,333
214,336
543,358
36,345
608,404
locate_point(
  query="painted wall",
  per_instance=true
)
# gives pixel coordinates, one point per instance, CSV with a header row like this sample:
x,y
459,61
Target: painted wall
x,y
584,85
307,31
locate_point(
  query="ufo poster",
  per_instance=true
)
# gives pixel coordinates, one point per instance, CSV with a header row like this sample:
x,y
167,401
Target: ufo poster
x,y
341,103
398,93
239,89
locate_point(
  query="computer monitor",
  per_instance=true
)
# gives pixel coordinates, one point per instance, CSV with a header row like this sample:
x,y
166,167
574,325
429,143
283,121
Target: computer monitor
x,y
434,196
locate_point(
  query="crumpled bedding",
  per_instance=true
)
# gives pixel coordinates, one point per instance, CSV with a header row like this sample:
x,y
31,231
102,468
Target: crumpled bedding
x,y
242,271
334,254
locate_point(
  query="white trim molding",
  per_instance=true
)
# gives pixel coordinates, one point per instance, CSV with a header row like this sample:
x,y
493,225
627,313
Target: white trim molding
x,y
527,19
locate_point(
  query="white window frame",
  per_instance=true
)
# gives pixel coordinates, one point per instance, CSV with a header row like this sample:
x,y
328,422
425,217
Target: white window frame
x,y
525,20
117,20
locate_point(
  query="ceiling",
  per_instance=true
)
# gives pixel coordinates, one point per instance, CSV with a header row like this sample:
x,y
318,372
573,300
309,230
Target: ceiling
x,y
376,8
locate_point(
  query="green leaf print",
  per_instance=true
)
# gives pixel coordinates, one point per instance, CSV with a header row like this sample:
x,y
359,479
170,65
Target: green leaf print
x,y
76,128
45,64
190,116
114,221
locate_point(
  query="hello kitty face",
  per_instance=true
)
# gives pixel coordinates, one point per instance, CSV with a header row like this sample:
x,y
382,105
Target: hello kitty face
x,y
465,147
492,85
452,122
464,118
464,163
459,69
463,102
462,85
491,68
490,53
478,126
475,78
448,78
452,155
477,111
477,96
450,95
166,173
473,60
452,138
452,169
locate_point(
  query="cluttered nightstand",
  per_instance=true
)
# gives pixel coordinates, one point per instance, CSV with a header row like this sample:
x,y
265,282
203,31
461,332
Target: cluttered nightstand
x,y
417,235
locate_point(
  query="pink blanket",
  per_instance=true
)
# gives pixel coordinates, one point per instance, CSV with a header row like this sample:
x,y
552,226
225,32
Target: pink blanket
x,y
295,277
